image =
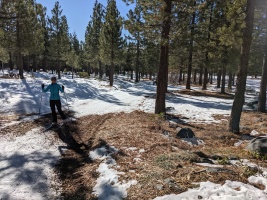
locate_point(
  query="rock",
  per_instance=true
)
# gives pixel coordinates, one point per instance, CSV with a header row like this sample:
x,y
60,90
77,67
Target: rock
x,y
218,170
254,133
206,160
168,181
173,124
216,157
178,129
170,108
159,187
185,133
193,141
172,185
179,166
174,120
232,157
252,103
166,133
237,144
258,145
200,154
247,137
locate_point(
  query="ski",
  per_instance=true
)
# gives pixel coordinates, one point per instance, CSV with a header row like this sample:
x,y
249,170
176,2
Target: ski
x,y
49,127
56,127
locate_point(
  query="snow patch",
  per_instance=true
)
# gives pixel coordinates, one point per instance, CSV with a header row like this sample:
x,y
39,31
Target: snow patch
x,y
26,166
254,133
108,185
193,141
231,190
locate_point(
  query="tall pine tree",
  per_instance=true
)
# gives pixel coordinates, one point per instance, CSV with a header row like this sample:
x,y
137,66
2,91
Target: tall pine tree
x,y
110,38
92,42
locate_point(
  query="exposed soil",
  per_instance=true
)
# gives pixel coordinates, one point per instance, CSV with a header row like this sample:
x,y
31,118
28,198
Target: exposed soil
x,y
167,161
206,93
168,165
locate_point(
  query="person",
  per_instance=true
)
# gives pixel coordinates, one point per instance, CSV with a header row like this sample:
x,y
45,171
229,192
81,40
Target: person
x,y
54,89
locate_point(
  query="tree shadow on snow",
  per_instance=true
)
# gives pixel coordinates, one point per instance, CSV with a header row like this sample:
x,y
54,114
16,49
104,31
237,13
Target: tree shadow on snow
x,y
198,103
25,170
85,90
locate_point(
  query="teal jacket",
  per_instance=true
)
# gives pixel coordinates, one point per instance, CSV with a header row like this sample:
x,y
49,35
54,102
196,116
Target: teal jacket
x,y
54,91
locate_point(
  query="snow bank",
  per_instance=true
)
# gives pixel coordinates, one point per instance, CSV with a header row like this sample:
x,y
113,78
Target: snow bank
x,y
108,185
26,166
231,190
92,96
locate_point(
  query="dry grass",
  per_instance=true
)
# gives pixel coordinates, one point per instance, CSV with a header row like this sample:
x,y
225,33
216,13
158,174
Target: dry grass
x,y
164,158
206,93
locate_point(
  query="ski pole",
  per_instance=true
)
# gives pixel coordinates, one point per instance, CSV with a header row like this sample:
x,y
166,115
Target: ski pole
x,y
66,100
40,104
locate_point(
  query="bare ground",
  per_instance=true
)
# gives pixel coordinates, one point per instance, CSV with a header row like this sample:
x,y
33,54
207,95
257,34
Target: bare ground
x,y
168,164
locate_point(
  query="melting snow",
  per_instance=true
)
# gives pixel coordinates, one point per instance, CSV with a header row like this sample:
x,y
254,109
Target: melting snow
x,y
231,190
108,185
26,165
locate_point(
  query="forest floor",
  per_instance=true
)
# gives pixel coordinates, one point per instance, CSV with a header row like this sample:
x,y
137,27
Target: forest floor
x,y
117,149
149,153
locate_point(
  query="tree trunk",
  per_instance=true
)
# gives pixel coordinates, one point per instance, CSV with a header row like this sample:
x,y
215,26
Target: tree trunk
x,y
230,80
58,70
19,55
207,53
137,60
44,64
180,76
162,79
200,81
262,95
100,69
10,64
34,63
205,79
242,68
223,79
131,74
72,72
191,48
107,71
211,78
233,79
195,76
219,78
111,71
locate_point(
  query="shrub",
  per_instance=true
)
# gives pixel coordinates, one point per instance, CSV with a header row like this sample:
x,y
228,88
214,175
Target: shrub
x,y
83,74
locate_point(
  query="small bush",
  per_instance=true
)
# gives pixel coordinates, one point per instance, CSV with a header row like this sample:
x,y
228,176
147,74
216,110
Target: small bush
x,y
83,74
170,161
224,161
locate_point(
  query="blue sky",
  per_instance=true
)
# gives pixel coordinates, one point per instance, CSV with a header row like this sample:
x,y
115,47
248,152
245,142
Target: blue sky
x,y
78,12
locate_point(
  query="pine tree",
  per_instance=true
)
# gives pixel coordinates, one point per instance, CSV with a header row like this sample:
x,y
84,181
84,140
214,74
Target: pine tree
x,y
135,26
92,42
59,40
191,47
110,38
162,80
242,68
259,52
45,53
22,29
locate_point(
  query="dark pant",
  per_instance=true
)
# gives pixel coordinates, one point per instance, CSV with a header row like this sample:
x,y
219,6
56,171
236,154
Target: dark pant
x,y
53,105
